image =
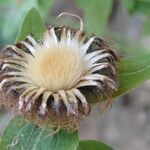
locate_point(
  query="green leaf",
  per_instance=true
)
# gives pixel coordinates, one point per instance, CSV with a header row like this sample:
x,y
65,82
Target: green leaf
x,y
133,71
19,135
92,145
96,14
32,24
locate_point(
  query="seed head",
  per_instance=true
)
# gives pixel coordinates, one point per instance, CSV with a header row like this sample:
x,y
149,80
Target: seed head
x,y
50,80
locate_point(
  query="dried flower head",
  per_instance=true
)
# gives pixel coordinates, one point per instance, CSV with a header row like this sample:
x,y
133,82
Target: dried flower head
x,y
49,80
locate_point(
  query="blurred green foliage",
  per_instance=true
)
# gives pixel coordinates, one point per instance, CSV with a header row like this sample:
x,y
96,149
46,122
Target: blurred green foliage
x,y
138,6
96,13
146,27
12,13
1,116
44,6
